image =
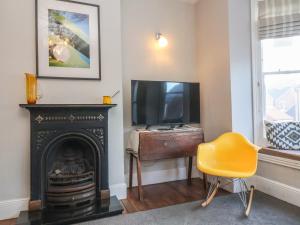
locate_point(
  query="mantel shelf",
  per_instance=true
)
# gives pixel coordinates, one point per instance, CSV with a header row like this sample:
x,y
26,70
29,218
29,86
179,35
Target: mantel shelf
x,y
67,106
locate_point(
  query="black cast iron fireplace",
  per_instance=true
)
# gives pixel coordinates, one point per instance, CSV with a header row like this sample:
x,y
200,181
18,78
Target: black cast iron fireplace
x,y
69,165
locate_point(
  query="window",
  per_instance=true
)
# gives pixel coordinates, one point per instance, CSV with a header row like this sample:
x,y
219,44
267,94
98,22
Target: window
x,y
276,57
281,77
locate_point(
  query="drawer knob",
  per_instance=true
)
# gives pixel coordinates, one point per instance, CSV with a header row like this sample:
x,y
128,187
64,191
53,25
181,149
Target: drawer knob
x,y
165,144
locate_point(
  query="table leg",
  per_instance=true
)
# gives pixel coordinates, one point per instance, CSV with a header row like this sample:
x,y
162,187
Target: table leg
x,y
190,166
139,178
130,170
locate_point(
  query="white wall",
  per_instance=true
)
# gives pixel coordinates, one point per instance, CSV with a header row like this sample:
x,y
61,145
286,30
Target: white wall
x,y
214,67
240,66
17,55
224,66
142,60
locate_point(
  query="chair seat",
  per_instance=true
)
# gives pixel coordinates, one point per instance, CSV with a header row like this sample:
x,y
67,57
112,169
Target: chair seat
x,y
227,170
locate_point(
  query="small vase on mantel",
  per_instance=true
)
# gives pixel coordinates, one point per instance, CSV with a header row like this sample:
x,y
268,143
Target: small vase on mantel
x,y
31,88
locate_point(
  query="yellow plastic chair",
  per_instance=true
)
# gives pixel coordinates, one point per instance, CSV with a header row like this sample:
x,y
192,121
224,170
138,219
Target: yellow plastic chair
x,y
232,157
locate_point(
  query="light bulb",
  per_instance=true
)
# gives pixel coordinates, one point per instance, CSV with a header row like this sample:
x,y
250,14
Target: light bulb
x,y
163,42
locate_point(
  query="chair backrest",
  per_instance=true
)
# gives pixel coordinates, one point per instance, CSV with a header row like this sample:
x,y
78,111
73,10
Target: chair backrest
x,y
233,146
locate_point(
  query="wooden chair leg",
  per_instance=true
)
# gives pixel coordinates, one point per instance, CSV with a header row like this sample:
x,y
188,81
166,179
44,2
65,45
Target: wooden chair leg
x,y
190,166
248,209
139,178
130,170
212,195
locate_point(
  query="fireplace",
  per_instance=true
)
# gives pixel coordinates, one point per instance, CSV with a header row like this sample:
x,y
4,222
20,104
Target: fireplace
x,y
69,164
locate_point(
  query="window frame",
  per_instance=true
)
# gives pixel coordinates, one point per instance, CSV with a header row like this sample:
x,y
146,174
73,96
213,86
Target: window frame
x,y
257,80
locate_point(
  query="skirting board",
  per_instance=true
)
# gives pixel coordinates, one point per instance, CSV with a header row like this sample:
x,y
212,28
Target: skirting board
x,y
161,176
278,190
11,208
120,190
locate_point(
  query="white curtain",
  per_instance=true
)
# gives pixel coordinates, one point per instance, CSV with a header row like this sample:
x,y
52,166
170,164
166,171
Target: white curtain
x,y
278,18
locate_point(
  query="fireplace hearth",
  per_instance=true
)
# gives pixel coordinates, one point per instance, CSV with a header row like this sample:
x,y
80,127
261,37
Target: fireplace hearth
x,y
69,165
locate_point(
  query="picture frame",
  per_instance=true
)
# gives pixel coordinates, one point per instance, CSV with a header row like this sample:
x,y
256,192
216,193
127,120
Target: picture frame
x,y
67,40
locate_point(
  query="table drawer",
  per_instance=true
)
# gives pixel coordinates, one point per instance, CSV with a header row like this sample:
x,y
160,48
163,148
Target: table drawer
x,y
164,145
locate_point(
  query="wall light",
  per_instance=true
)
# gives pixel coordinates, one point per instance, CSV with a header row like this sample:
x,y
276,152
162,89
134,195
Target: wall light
x,y
162,41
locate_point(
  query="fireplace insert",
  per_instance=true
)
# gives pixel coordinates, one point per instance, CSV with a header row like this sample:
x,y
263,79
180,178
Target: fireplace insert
x,y
70,176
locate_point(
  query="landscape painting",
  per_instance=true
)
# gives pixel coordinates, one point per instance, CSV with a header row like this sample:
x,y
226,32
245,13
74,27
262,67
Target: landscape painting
x,y
68,39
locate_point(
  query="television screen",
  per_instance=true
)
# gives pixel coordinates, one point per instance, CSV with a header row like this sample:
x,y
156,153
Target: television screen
x,y
164,102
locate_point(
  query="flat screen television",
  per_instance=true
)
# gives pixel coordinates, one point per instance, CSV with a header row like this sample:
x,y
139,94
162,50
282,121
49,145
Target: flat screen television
x,y
164,103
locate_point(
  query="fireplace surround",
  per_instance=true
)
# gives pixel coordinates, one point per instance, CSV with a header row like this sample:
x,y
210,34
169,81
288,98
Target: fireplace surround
x,y
69,164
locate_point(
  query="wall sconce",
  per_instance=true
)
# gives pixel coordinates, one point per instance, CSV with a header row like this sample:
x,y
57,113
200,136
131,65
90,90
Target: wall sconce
x,y
162,41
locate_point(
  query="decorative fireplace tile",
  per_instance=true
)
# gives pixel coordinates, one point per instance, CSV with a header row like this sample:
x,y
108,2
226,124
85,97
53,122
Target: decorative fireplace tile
x,y
68,118
41,136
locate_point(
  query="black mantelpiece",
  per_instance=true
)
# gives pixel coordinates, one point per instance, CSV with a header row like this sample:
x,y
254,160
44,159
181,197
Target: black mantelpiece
x,y
54,124
67,106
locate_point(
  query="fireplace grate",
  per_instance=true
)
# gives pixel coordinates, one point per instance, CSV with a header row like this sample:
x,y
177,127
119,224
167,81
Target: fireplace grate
x,y
71,181
69,195
63,180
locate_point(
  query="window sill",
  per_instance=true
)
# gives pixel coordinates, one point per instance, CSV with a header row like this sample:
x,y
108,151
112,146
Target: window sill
x,y
289,159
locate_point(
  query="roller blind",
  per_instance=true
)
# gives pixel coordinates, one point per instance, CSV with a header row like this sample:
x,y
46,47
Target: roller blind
x,y
278,18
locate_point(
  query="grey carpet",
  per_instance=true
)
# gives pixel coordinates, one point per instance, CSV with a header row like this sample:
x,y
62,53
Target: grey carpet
x,y
224,210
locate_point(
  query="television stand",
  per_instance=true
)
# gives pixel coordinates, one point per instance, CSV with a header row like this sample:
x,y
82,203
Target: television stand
x,y
157,145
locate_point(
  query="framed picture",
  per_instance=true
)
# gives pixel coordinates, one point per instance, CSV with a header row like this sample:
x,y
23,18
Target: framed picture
x,y
67,40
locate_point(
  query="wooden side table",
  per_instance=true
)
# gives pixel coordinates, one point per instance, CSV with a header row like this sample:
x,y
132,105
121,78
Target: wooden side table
x,y
158,145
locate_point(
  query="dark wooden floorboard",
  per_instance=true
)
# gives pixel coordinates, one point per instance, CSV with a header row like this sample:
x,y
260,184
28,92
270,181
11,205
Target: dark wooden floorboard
x,y
157,196
165,194
8,222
